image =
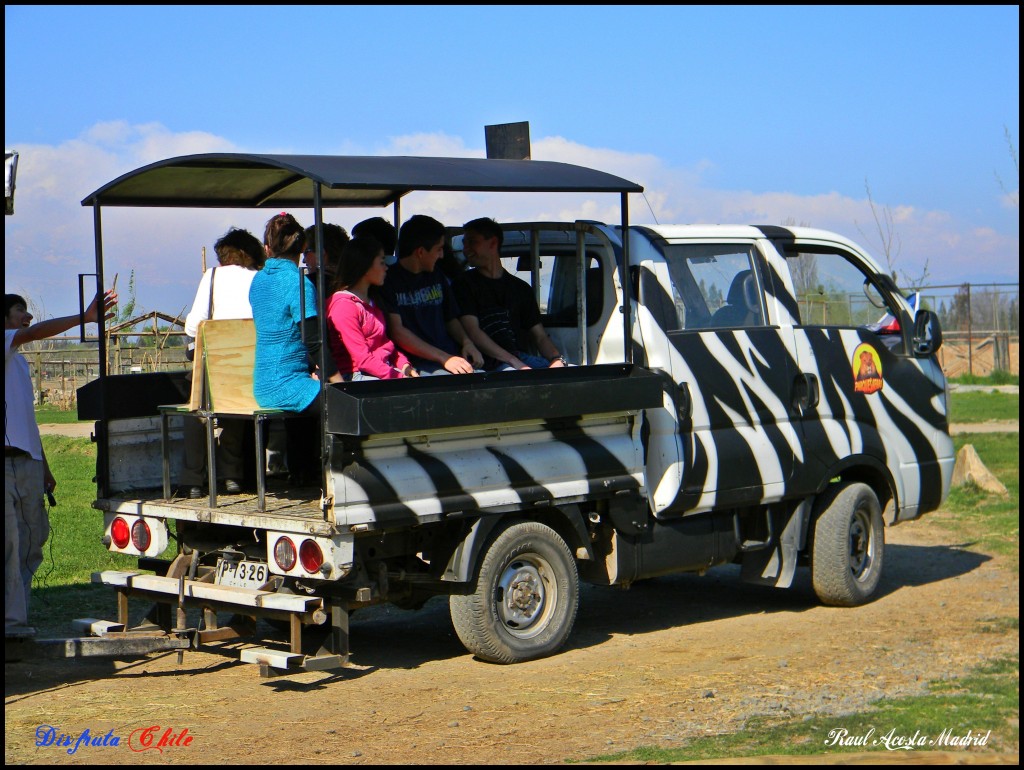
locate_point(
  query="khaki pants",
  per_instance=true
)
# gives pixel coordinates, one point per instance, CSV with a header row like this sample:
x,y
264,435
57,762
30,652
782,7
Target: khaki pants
x,y
26,527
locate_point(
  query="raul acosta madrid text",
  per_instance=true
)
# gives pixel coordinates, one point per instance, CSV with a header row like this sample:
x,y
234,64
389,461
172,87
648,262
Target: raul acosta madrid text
x,y
894,741
152,738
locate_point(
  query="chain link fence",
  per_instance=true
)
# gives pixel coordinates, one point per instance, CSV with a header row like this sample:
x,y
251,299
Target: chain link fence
x,y
980,327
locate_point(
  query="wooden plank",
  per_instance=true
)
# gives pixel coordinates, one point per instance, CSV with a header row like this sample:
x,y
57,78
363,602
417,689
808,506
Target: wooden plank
x,y
94,627
232,595
229,351
267,656
105,646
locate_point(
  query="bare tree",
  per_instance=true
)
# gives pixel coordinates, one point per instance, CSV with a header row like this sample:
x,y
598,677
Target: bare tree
x,y
1012,196
889,242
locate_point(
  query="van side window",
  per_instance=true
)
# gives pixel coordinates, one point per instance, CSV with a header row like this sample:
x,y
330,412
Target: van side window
x,y
831,290
556,289
715,285
561,296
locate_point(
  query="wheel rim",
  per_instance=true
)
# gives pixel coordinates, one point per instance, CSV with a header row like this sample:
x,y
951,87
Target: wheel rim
x,y
862,544
525,596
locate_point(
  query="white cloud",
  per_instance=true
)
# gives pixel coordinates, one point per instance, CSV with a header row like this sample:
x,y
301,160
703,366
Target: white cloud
x,y
50,237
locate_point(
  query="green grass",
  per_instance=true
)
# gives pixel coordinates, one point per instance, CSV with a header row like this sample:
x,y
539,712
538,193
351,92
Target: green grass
x,y
49,414
990,521
997,377
62,587
74,550
979,406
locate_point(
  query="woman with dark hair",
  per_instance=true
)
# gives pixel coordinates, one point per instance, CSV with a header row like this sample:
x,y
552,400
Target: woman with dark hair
x,y
223,293
355,322
283,378
328,257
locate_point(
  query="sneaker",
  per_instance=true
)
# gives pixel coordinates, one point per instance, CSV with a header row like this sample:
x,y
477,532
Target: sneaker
x,y
195,493
232,487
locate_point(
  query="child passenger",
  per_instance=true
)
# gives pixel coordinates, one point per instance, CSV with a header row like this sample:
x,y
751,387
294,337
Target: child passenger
x,y
355,323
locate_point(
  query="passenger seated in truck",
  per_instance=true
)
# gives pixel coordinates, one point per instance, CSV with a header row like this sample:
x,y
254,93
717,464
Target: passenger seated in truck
x,y
283,375
383,231
223,293
356,327
422,314
499,310
327,257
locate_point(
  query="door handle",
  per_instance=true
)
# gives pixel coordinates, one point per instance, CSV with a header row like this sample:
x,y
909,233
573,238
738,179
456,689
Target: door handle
x,y
805,392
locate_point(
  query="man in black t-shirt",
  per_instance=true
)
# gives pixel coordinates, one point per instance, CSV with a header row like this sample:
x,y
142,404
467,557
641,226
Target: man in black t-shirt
x,y
499,310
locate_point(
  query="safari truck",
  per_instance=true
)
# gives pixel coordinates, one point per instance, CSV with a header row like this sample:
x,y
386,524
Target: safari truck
x,y
737,394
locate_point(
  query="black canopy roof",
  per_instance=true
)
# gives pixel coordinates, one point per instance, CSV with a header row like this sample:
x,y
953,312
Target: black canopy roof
x,y
283,181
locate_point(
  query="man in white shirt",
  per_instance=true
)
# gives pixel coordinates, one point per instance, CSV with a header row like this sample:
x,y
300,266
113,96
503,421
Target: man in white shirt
x,y
27,476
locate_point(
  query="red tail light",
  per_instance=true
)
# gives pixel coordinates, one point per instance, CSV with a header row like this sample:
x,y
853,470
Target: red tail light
x,y
311,556
120,533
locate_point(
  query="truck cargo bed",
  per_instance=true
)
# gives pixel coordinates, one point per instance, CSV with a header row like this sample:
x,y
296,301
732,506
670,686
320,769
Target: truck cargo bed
x,y
287,509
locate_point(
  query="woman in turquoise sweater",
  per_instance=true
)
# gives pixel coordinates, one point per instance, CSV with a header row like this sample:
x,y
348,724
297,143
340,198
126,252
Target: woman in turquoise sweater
x,y
283,376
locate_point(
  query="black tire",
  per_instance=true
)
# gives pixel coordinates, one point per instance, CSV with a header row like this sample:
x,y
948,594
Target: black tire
x,y
848,546
524,603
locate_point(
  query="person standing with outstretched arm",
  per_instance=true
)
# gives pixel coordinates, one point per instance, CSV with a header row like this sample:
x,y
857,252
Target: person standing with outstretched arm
x,y
27,475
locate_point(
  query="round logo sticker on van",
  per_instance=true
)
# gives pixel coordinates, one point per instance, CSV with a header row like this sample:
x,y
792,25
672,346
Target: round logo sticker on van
x,y
867,369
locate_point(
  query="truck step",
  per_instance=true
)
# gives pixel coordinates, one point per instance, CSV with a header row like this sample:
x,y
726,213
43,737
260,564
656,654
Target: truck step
x,y
290,661
242,597
94,627
112,646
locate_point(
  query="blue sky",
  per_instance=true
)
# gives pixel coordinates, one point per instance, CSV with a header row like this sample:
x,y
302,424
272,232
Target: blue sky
x,y
759,114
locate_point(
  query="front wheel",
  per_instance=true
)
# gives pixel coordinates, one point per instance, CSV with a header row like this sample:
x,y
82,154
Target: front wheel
x,y
849,545
525,599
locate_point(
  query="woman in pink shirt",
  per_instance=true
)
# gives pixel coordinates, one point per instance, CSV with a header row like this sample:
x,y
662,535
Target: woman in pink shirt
x,y
355,323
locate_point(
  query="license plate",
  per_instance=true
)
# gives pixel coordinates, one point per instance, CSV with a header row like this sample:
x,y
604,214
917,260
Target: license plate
x,y
242,574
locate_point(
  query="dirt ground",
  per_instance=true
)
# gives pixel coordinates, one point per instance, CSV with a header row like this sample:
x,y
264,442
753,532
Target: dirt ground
x,y
668,660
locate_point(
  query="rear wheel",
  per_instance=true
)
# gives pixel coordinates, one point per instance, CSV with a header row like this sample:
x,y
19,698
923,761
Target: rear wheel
x,y
849,545
525,599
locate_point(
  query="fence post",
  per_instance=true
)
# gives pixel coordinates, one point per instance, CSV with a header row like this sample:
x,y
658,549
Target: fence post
x,y
970,337
39,377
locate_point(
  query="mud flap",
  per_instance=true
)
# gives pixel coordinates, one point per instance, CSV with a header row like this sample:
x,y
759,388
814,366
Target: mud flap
x,y
776,565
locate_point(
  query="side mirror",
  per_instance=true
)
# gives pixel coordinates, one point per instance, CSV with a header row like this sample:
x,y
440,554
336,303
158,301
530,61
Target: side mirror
x,y
927,333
